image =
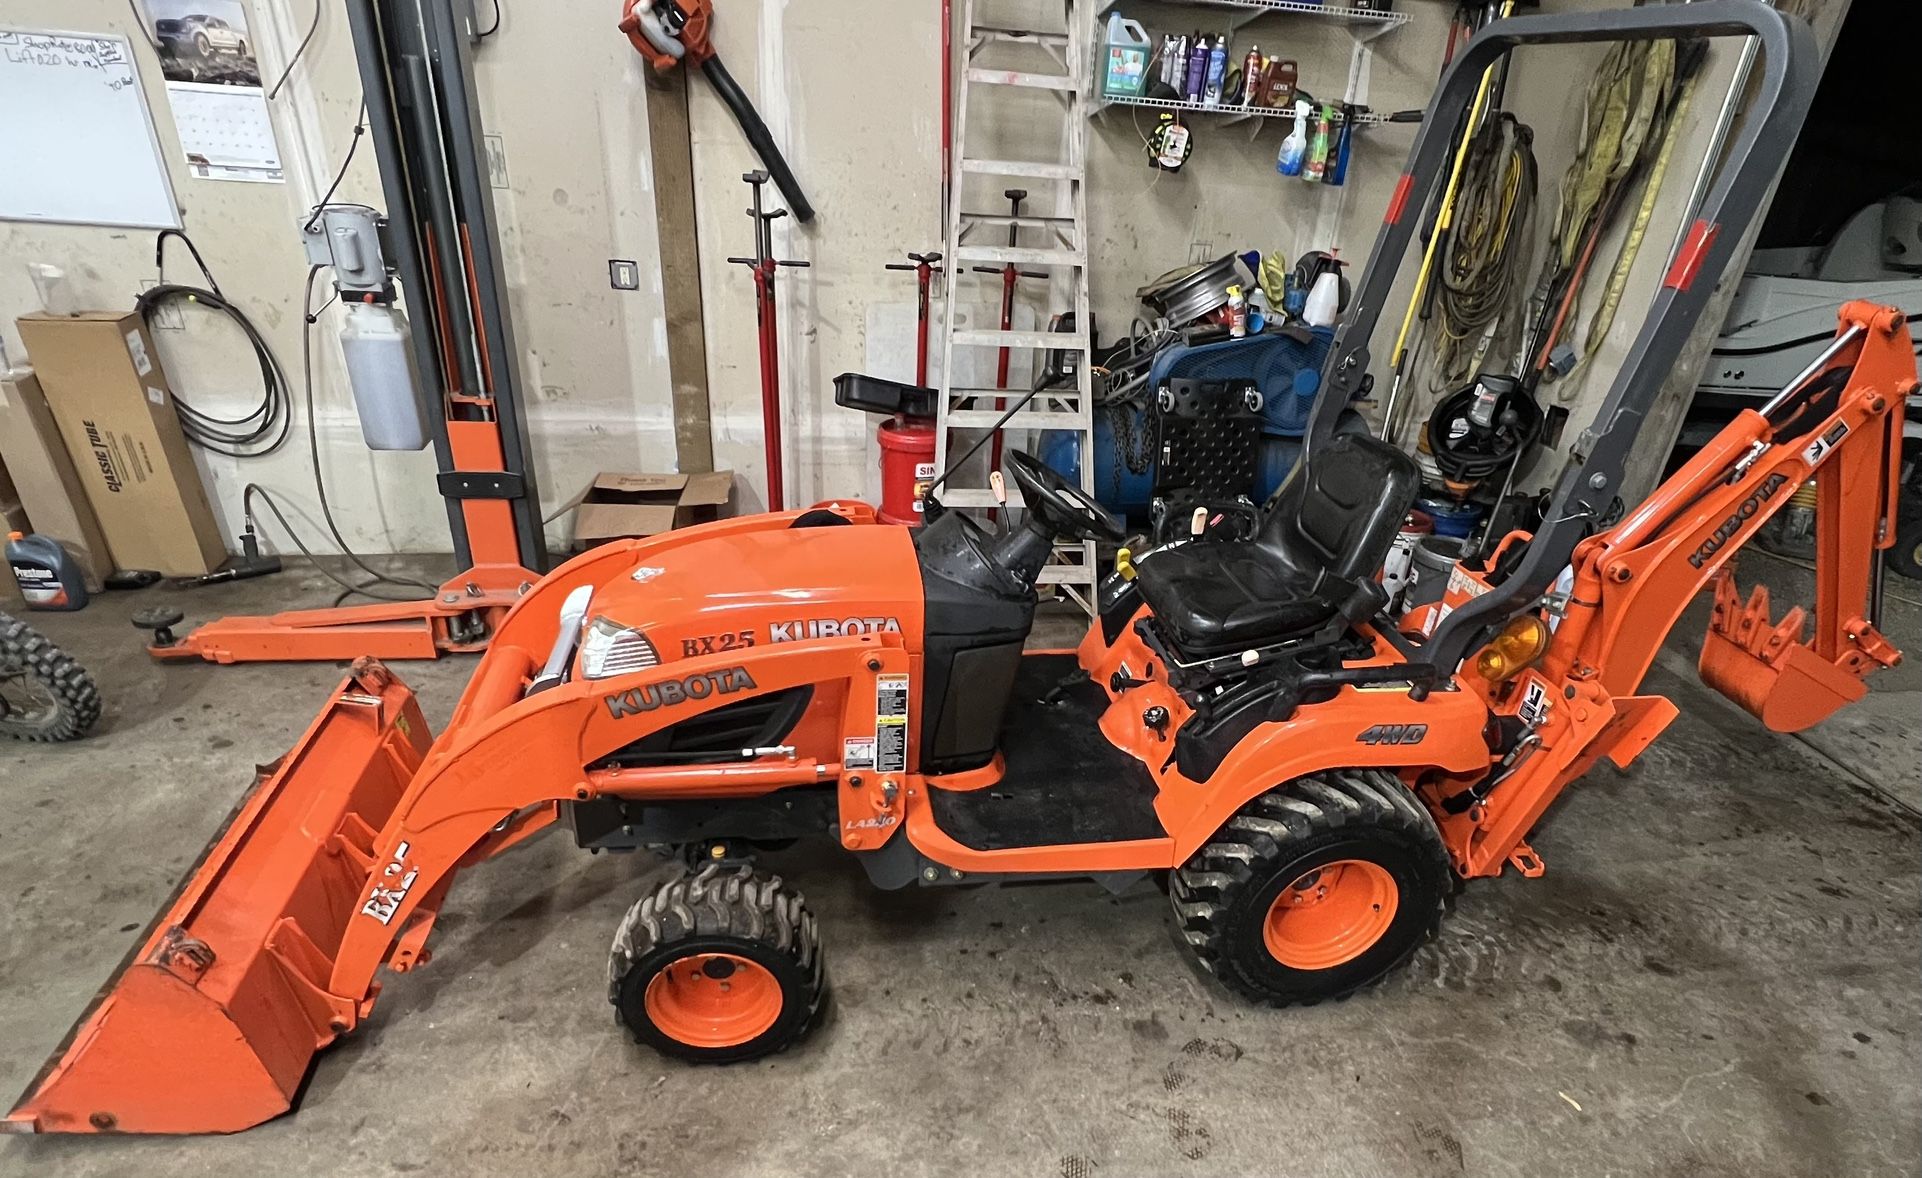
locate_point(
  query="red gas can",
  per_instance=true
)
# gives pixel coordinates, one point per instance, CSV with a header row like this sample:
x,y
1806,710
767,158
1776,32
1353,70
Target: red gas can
x,y
907,467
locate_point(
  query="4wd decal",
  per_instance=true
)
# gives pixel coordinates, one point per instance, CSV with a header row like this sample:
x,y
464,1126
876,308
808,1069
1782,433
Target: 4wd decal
x,y
390,887
802,628
1743,514
716,643
1393,734
674,691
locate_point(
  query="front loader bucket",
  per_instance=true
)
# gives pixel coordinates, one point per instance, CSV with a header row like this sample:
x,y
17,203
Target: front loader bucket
x,y
210,1023
1765,667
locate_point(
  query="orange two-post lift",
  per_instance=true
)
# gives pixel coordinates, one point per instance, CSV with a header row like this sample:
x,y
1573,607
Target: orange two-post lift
x,y
440,243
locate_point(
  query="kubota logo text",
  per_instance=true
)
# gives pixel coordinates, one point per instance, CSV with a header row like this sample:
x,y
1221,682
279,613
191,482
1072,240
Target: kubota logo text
x,y
1742,515
674,691
830,628
104,457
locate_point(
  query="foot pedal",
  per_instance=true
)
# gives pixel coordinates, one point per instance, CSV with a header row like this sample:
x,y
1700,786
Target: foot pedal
x,y
1524,859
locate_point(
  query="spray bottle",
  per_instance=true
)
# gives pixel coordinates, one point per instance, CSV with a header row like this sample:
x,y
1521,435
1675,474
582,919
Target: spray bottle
x,y
1324,298
1197,69
1217,71
1178,67
1289,160
1316,165
1237,313
1252,80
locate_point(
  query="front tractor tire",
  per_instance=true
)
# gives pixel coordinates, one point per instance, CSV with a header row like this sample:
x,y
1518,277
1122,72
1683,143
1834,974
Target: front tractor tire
x,y
1315,889
718,966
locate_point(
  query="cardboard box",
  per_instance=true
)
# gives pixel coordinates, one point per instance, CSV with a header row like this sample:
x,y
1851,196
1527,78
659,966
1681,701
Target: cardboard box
x,y
115,410
618,506
50,490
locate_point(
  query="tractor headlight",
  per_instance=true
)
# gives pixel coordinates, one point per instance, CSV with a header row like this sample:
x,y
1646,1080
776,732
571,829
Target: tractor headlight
x,y
1518,644
613,649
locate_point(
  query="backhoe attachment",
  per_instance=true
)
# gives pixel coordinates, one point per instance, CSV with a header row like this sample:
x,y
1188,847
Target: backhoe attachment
x,y
210,1023
1766,667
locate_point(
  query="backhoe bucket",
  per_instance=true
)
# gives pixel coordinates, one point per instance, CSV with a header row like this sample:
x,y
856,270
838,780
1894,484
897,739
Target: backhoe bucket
x,y
1765,666
210,1023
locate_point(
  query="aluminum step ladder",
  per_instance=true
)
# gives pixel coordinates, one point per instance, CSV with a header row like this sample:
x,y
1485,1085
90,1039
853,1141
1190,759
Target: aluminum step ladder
x,y
1004,67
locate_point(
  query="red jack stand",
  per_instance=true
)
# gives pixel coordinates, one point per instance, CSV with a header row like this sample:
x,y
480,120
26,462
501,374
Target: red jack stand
x,y
763,264
925,267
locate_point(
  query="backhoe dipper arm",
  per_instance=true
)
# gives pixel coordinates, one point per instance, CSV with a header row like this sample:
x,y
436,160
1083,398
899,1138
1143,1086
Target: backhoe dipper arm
x,y
1633,581
1590,481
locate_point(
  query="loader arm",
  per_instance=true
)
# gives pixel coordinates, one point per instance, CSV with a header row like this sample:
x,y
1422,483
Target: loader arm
x,y
338,858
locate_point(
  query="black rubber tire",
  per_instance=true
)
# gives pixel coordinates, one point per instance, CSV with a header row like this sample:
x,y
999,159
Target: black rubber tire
x,y
720,910
1222,895
76,699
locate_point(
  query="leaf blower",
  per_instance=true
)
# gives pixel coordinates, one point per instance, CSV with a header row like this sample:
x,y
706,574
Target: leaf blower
x,y
669,32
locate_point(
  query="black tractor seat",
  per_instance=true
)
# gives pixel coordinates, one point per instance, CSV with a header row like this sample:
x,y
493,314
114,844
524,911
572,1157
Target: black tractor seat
x,y
1314,559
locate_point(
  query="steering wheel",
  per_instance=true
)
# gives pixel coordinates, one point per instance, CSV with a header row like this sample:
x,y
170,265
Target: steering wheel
x,y
1062,507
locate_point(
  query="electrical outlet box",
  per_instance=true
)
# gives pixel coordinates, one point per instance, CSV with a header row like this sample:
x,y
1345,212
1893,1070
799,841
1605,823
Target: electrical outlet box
x,y
623,274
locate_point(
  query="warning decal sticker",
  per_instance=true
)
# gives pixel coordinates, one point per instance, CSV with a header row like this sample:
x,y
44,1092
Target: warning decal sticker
x,y
857,752
891,723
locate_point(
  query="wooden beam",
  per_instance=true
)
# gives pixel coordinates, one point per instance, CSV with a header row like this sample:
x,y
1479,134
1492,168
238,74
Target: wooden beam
x,y
671,146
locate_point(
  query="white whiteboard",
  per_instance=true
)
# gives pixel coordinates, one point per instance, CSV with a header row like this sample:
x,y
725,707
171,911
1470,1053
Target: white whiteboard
x,y
77,142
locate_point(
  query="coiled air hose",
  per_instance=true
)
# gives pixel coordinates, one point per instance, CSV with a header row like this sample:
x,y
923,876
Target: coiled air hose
x,y
1470,446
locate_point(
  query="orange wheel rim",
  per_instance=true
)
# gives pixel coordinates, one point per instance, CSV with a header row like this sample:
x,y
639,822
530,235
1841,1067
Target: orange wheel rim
x,y
713,1000
1331,915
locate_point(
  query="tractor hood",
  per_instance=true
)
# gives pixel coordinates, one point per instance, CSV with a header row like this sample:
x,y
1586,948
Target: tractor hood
x,y
736,591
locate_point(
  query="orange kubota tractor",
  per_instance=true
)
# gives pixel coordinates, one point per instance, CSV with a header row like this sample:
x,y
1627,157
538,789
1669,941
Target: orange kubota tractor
x,y
1311,774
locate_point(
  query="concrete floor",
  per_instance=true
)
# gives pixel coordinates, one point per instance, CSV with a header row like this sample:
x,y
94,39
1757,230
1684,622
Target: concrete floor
x,y
1718,975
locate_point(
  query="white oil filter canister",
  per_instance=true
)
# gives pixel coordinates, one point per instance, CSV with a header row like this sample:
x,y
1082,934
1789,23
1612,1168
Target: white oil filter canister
x,y
380,370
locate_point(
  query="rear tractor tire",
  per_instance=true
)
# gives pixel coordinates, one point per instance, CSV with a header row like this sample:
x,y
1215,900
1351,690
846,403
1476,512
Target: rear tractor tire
x,y
718,966
1315,889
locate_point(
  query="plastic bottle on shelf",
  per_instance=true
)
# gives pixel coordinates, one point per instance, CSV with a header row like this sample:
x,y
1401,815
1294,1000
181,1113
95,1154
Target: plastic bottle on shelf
x,y
1178,67
1127,65
1316,165
1197,69
1338,152
1295,147
1217,72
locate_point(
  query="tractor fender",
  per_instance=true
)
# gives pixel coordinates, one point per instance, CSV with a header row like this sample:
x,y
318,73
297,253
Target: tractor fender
x,y
1380,728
